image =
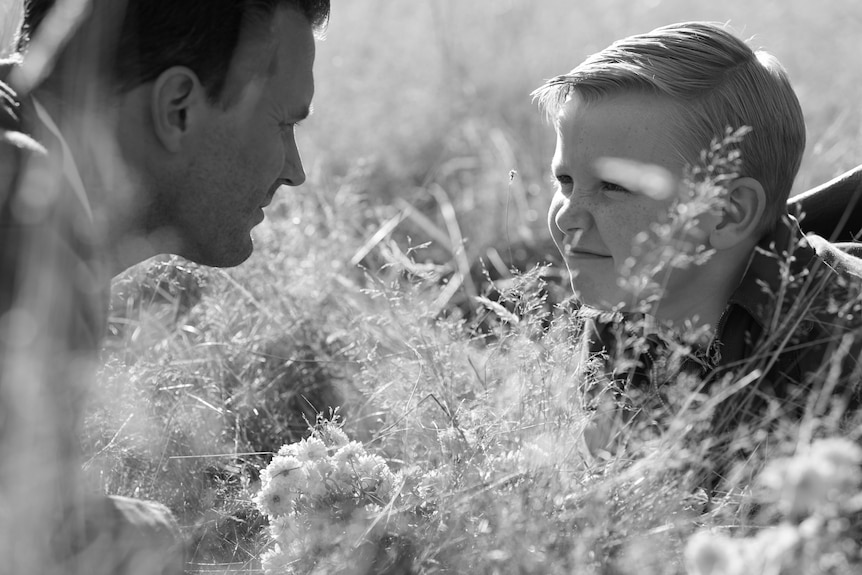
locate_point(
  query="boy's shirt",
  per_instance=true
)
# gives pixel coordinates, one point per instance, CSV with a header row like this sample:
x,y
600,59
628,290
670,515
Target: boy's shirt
x,y
788,318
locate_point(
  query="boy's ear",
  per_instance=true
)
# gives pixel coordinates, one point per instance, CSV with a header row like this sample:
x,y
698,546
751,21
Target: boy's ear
x,y
176,105
741,215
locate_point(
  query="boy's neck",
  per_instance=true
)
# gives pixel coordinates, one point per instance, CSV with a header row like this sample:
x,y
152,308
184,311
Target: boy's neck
x,y
702,304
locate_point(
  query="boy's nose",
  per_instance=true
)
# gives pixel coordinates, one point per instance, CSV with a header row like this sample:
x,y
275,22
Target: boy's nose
x,y
569,216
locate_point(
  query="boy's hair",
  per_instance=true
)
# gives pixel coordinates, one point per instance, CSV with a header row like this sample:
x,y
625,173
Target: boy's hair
x,y
717,82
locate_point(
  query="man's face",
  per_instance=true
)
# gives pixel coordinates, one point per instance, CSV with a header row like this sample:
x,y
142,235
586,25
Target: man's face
x,y
595,219
247,148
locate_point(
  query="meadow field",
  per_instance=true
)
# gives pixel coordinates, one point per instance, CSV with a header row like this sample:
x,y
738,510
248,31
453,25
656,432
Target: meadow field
x,y
408,298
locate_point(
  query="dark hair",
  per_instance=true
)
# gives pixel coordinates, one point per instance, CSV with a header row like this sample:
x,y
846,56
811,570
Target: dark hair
x,y
199,34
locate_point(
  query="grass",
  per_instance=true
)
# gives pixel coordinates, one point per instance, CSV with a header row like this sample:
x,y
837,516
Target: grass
x,y
385,286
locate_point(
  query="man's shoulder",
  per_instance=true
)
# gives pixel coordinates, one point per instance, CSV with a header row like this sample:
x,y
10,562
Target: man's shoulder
x,y
789,261
845,258
13,135
797,287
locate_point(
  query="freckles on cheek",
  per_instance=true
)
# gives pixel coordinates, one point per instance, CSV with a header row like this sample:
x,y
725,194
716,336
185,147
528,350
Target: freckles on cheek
x,y
619,230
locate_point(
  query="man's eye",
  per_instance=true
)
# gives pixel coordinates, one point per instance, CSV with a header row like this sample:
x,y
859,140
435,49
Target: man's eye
x,y
287,126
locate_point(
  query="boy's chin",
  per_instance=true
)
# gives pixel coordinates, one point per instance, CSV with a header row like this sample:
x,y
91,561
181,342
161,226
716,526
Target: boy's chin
x,y
601,302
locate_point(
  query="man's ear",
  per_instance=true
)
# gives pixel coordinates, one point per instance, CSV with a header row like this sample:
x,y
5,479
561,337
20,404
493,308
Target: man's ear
x,y
177,98
741,215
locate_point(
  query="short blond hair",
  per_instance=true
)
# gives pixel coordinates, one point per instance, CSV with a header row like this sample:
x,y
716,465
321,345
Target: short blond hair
x,y
718,81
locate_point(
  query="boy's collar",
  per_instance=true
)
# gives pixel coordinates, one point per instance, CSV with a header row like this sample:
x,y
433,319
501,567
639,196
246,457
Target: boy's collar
x,y
780,256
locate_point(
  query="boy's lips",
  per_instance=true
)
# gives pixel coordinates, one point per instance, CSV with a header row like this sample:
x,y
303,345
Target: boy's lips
x,y
575,252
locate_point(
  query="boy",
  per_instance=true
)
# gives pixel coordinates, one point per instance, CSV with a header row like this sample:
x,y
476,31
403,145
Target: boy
x,y
759,296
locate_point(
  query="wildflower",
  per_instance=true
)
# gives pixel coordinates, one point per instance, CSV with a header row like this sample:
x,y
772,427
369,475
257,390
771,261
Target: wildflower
x,y
316,475
775,548
344,462
369,470
309,493
816,480
288,450
276,562
332,435
277,497
432,484
843,454
311,449
281,466
280,529
533,456
713,554
387,485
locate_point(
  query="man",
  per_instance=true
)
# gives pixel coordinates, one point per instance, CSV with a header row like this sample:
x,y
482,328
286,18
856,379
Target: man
x,y
139,127
719,259
834,209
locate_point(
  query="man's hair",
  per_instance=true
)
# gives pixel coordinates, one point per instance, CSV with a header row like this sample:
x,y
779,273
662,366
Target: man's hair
x,y
199,34
717,82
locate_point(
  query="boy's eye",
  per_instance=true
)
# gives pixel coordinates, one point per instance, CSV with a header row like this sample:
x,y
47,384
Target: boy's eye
x,y
564,183
612,187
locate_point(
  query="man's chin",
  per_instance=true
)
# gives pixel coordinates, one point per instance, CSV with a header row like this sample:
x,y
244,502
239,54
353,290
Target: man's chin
x,y
218,255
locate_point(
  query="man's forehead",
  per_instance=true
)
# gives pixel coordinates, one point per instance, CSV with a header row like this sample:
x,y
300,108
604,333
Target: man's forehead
x,y
278,47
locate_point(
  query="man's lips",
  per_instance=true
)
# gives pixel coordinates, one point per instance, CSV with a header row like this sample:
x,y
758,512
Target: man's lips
x,y
270,194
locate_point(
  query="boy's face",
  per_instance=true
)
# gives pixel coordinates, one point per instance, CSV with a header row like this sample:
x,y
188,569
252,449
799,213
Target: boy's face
x,y
594,218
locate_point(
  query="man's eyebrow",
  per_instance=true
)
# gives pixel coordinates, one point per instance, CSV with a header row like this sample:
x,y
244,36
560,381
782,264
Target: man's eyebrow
x,y
302,113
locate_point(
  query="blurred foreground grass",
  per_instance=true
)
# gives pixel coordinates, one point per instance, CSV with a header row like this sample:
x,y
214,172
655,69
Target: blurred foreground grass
x,y
362,294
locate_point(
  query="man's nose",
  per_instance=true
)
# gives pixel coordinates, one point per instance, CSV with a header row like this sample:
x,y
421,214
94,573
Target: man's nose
x,y
293,173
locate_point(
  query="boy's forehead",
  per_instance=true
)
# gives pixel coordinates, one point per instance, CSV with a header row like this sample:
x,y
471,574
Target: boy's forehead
x,y
636,126
567,108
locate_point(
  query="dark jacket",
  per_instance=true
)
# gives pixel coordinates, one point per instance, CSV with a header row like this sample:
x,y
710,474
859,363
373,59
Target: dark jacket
x,y
832,210
788,318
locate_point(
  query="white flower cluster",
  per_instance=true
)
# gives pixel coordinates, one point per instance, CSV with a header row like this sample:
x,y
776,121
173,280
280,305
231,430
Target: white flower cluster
x,y
814,491
816,480
312,486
